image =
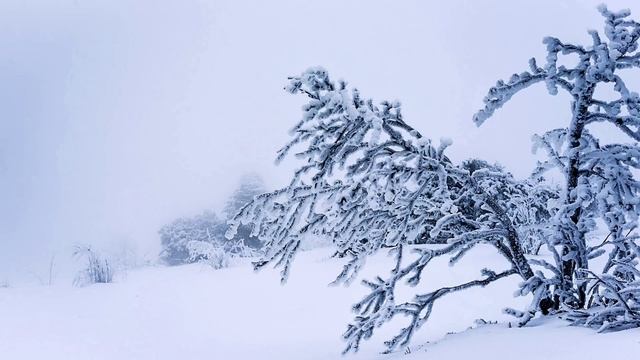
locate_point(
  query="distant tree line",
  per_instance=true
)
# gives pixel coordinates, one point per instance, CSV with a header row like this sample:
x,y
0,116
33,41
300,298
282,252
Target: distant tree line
x,y
202,237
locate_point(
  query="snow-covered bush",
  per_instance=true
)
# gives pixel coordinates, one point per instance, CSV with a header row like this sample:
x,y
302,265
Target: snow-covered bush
x,y
210,253
600,181
95,270
218,254
176,236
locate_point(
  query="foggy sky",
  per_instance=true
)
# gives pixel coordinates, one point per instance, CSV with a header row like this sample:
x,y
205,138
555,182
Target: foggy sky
x,y
118,116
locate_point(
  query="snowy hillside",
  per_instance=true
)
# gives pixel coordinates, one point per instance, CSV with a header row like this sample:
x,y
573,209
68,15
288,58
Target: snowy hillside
x,y
194,312
285,180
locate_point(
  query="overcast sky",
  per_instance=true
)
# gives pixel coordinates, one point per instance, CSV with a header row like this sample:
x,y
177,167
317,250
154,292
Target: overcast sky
x,y
118,116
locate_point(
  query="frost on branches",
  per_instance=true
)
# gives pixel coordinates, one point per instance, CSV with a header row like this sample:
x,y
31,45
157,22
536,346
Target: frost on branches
x,y
599,177
369,181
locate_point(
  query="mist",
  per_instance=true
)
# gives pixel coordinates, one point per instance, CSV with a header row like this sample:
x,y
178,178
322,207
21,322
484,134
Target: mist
x,y
118,116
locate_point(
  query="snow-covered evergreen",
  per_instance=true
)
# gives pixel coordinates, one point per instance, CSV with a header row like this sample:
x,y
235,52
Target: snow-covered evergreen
x,y
600,183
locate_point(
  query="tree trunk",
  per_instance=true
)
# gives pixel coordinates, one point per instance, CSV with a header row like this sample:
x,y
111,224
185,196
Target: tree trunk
x,y
575,243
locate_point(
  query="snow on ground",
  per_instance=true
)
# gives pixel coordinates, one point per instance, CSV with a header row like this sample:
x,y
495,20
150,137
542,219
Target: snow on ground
x,y
194,312
539,340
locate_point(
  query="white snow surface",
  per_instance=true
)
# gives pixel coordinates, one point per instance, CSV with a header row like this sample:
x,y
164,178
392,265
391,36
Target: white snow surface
x,y
195,312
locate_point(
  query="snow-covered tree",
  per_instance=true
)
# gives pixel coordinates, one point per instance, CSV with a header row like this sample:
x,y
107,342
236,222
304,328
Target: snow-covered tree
x,y
370,181
599,177
250,186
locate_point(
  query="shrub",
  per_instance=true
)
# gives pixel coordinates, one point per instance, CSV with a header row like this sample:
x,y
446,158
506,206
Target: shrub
x,y
96,270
